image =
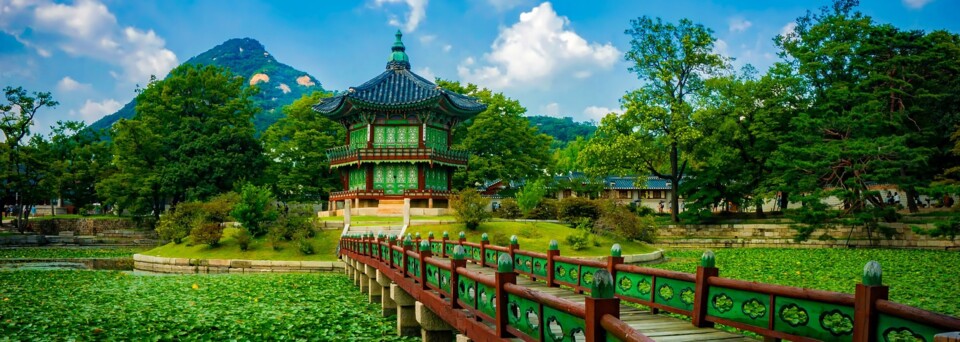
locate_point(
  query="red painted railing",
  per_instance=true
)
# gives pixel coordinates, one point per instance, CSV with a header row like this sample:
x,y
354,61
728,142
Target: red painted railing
x,y
773,311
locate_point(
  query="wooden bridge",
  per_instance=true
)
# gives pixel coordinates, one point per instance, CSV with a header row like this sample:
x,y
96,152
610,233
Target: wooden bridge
x,y
484,292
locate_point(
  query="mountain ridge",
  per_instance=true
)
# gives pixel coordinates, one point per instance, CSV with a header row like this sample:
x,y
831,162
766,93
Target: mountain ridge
x,y
279,84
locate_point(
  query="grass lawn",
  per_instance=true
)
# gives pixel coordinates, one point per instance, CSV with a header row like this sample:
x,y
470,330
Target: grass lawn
x,y
115,306
77,216
324,244
68,252
533,236
920,278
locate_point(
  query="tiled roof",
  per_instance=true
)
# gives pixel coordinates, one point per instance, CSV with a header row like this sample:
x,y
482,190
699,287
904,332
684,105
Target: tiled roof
x,y
623,182
396,88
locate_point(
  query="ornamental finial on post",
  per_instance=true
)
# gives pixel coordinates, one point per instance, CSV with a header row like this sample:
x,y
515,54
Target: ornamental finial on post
x,y
616,251
708,259
484,238
602,286
872,274
459,253
424,246
504,263
514,241
554,245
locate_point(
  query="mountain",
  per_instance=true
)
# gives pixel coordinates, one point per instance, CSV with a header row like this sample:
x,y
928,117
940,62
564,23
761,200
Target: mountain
x,y
279,84
563,130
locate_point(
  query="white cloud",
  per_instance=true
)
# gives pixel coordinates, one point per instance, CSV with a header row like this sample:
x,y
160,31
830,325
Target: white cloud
x,y
92,111
68,84
916,4
418,12
425,72
427,39
535,49
597,113
447,48
739,24
788,30
551,109
87,28
720,47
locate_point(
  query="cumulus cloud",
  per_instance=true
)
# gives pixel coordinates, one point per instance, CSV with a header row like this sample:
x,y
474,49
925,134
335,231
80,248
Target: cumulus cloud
x,y
87,28
68,84
596,112
535,49
418,12
447,48
720,47
916,4
551,109
739,24
427,39
92,111
425,72
788,30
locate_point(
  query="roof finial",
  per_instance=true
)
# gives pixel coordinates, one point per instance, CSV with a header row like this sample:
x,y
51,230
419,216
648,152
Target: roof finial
x,y
398,57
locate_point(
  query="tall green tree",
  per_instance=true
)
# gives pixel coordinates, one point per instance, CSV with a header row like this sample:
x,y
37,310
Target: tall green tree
x,y
502,142
79,160
296,146
201,139
22,164
657,132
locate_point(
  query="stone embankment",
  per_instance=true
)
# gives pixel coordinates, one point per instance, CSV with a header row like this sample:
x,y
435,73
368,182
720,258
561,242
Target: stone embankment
x,y
782,235
191,266
79,226
117,264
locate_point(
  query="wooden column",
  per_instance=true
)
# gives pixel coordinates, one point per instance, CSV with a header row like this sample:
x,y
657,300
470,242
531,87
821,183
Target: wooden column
x,y
552,252
421,180
701,299
425,253
457,262
369,177
407,244
369,136
484,241
601,302
505,275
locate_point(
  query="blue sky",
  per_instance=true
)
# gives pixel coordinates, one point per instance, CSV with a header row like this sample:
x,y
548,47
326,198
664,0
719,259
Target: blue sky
x,y
561,58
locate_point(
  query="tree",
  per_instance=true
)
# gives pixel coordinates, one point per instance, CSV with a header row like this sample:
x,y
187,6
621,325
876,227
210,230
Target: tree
x,y
79,159
470,208
23,167
192,138
502,142
531,194
296,146
253,211
657,131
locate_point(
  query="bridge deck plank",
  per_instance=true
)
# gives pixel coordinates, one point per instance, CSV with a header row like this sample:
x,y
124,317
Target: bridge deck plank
x,y
657,327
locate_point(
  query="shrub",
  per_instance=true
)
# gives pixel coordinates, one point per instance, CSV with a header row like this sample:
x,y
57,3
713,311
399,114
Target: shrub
x,y
176,224
303,242
546,210
275,234
218,208
470,208
580,240
500,239
618,220
530,195
509,209
243,239
206,232
529,234
253,211
572,209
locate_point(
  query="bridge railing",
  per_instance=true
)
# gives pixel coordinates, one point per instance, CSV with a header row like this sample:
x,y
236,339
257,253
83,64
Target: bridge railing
x,y
773,311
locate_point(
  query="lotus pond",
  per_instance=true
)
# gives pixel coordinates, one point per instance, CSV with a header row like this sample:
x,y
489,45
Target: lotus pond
x,y
102,305
922,278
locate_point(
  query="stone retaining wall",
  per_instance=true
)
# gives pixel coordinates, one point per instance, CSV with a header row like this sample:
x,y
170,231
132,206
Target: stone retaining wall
x,y
651,257
70,240
117,264
190,266
813,243
781,235
79,226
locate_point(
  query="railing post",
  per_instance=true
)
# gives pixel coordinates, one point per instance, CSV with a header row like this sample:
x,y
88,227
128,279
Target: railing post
x,y
505,275
462,238
390,243
601,302
514,245
484,241
443,244
552,252
615,258
865,303
416,239
457,261
701,299
425,252
407,245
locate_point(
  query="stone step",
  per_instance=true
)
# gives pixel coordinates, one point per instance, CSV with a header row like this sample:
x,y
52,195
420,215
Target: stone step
x,y
389,202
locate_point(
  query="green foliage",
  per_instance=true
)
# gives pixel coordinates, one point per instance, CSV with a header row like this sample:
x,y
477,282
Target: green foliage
x,y
296,146
79,159
24,160
563,130
303,242
503,143
275,235
243,239
618,220
911,274
509,209
531,194
254,211
43,305
545,210
949,229
176,224
67,252
206,233
573,209
469,208
500,239
580,240
192,138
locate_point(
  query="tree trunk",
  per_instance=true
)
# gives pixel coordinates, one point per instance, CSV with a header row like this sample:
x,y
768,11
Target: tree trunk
x,y
912,200
784,201
760,213
674,187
